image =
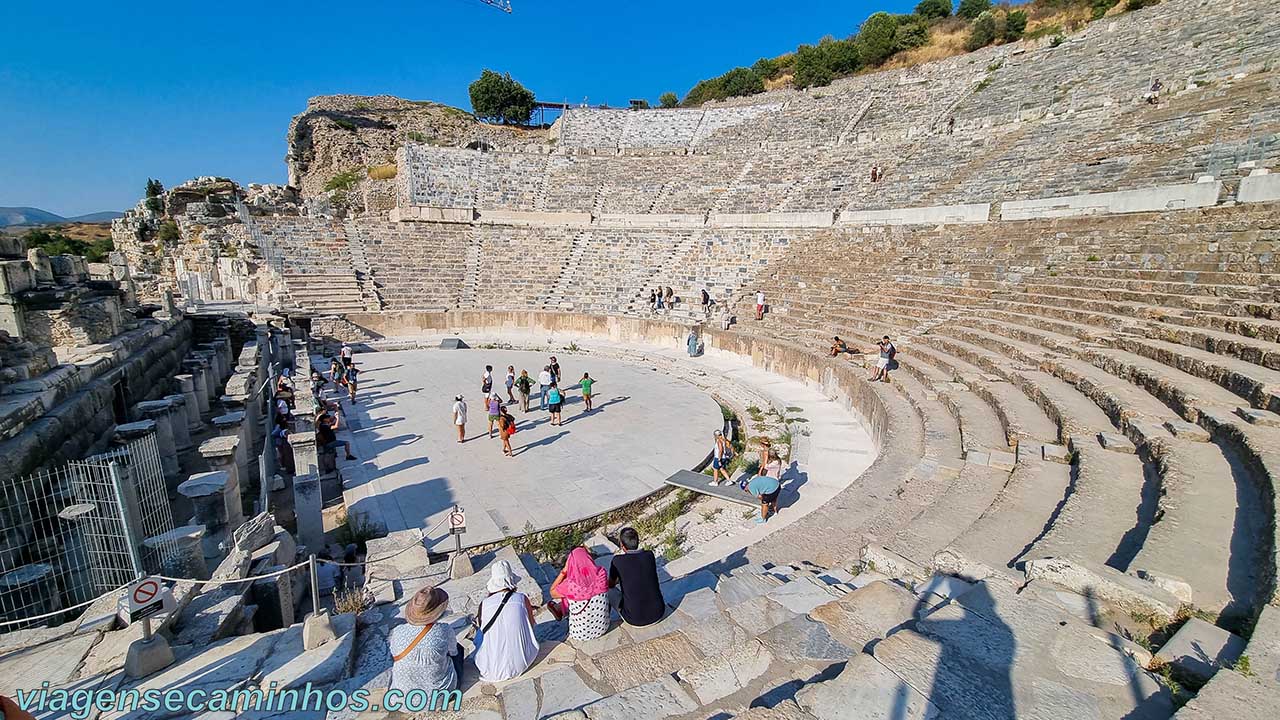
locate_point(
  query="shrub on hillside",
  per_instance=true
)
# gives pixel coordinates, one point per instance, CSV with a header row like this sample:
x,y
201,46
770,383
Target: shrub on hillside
x,y
842,57
742,81
1015,23
971,9
1139,4
876,38
56,243
668,100
497,97
382,172
811,68
1100,7
738,81
934,9
982,33
912,32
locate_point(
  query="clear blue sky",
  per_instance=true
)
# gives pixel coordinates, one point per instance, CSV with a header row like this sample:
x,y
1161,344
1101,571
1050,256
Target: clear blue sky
x,y
97,96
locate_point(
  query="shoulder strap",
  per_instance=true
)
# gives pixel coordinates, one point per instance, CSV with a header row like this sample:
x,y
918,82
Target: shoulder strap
x,y
401,655
497,612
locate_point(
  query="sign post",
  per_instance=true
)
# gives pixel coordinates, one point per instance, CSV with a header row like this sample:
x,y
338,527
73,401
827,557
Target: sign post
x,y
147,598
460,567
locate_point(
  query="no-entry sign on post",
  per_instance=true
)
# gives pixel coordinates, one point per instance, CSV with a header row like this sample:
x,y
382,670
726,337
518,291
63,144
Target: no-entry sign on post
x,y
149,597
457,521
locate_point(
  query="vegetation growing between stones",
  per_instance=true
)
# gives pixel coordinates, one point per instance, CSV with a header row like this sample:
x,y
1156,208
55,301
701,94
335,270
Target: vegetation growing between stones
x,y
355,528
382,172
342,181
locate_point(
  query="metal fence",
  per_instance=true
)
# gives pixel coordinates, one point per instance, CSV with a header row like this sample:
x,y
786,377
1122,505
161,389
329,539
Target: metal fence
x,y
71,533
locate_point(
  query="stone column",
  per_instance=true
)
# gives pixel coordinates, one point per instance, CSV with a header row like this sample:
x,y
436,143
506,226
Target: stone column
x,y
232,425
187,384
181,552
220,452
207,492
199,369
167,305
217,373
308,509
32,587
161,412
180,421
223,344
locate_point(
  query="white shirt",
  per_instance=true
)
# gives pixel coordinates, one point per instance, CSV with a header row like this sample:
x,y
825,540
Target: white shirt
x,y
509,646
759,298
346,353
460,413
544,377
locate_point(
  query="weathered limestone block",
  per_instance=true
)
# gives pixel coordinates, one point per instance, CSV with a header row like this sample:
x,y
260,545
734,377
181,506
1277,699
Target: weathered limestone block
x,y
180,422
220,452
181,552
161,412
274,598
187,385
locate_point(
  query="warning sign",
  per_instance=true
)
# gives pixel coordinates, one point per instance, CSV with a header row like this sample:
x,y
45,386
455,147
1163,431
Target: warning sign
x,y
457,522
149,597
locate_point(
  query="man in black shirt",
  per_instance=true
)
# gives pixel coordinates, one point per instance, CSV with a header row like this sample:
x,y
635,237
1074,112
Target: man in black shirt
x,y
635,573
326,434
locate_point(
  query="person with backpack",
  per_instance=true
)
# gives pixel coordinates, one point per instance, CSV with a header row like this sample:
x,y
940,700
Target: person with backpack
x,y
353,374
886,361
524,384
555,401
505,643
506,428
493,404
721,454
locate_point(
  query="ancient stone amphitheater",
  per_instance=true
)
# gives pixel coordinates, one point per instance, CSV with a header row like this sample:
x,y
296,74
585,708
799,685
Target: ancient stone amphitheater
x,y
1071,512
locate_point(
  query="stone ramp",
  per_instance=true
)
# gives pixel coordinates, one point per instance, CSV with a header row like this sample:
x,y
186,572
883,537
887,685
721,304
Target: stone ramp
x,y
701,484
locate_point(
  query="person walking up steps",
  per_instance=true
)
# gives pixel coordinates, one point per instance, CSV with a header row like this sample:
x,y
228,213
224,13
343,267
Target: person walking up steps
x,y
493,404
554,402
511,383
544,384
586,383
720,456
759,304
524,384
460,417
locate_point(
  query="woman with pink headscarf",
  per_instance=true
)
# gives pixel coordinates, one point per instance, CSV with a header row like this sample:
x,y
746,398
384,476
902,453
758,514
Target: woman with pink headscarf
x,y
581,591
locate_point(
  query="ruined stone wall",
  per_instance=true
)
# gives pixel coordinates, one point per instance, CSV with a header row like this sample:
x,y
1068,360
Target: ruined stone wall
x,y
68,414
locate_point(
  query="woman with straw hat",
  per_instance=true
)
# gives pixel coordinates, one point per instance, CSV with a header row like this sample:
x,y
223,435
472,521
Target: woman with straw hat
x,y
505,643
425,652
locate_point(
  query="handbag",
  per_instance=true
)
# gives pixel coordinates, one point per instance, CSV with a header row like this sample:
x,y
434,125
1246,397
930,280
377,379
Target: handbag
x,y
479,638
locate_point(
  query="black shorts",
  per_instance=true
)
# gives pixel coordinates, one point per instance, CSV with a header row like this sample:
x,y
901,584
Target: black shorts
x,y
554,407
771,498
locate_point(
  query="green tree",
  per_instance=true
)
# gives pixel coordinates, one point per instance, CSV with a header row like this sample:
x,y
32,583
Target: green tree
x,y
741,81
498,97
876,38
712,89
154,188
934,9
668,100
766,68
982,33
811,68
971,9
912,32
1015,23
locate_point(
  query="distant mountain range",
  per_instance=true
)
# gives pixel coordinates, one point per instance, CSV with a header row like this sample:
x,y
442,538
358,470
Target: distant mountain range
x,y
36,216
